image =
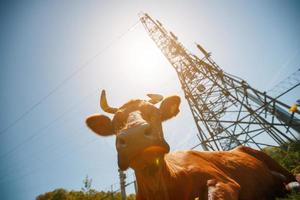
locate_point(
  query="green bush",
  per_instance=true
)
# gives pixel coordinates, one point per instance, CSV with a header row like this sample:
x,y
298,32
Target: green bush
x,y
293,196
62,194
86,193
288,155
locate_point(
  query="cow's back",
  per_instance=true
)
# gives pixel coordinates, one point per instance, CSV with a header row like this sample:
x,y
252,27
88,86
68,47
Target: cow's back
x,y
267,160
280,176
251,174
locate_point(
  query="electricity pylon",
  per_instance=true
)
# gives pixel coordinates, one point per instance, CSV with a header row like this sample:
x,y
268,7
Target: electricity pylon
x,y
226,109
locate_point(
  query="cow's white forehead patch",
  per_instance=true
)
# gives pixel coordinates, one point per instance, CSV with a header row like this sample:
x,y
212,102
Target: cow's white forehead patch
x,y
134,116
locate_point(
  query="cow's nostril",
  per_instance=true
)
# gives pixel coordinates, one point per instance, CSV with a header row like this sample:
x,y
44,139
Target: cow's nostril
x,y
147,132
122,142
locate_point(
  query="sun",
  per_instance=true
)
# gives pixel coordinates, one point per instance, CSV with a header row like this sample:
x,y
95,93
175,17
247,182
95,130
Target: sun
x,y
142,59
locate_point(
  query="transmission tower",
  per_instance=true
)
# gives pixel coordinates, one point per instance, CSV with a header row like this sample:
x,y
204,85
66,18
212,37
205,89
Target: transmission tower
x,y
226,109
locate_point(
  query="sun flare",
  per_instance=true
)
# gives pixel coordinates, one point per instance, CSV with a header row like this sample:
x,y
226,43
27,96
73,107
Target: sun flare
x,y
143,60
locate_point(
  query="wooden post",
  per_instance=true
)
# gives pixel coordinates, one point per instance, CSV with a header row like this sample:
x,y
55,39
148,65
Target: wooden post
x,y
122,176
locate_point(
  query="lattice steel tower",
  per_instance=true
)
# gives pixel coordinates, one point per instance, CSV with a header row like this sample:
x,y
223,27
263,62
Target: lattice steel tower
x,y
227,110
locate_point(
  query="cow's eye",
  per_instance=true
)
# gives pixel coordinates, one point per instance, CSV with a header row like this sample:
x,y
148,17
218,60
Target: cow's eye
x,y
118,125
146,115
121,125
147,132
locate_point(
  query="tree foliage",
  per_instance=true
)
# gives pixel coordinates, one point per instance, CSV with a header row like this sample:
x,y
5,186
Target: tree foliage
x,y
288,155
86,193
62,194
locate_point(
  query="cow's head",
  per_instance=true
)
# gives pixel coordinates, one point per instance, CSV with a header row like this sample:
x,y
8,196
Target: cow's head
x,y
138,129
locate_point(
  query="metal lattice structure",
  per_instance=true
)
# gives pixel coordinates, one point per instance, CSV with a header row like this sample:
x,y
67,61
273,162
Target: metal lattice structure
x,y
226,109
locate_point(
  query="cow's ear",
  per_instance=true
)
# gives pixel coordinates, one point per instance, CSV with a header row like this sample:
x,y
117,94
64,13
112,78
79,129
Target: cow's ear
x,y
169,107
100,124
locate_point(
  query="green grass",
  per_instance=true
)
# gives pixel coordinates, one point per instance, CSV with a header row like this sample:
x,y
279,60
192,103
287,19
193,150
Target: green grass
x,y
293,196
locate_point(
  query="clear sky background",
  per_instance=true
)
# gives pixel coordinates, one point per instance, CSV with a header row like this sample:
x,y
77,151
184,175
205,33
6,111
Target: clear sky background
x,y
44,42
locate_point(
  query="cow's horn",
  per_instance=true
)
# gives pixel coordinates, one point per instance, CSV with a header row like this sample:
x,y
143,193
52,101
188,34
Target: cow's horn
x,y
155,98
103,103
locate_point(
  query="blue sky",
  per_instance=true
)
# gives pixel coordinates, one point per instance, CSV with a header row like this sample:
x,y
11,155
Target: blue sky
x,y
43,42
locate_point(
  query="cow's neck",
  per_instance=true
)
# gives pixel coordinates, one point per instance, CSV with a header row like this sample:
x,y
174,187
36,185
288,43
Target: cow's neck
x,y
153,180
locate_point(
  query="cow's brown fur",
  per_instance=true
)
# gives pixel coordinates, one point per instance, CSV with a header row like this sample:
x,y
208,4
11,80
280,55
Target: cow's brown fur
x,y
242,173
189,174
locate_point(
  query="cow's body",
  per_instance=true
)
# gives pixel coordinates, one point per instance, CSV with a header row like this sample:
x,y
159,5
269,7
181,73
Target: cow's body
x,y
239,174
186,175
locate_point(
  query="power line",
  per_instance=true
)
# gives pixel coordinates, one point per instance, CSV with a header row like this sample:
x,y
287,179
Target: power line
x,y
22,163
38,133
58,118
2,181
17,147
40,130
115,191
290,81
68,78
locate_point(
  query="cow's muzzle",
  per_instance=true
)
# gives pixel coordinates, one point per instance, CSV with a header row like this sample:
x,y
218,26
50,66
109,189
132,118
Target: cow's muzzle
x,y
133,141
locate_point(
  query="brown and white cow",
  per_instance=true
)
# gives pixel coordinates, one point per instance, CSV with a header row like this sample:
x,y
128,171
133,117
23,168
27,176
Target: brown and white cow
x,y
242,173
